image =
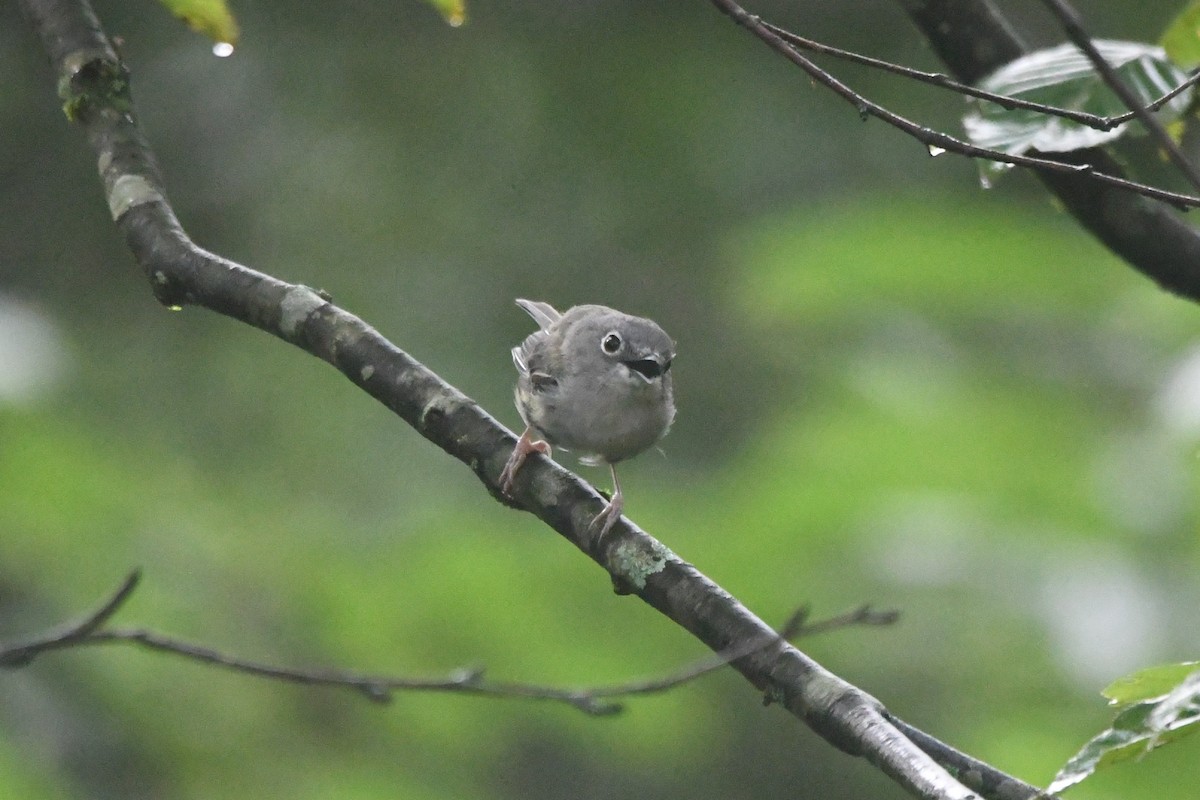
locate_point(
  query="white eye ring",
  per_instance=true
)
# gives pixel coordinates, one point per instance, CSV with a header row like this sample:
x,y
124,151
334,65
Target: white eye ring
x,y
611,343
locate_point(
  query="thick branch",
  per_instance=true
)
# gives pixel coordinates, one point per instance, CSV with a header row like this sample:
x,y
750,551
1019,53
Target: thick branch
x,y
973,39
95,88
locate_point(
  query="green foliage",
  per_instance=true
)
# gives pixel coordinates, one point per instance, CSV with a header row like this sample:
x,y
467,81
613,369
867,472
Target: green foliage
x,y
214,19
1063,77
1181,39
453,11
211,18
1151,683
1158,705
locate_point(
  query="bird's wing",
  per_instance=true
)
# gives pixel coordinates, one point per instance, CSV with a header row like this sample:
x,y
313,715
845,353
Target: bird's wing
x,y
518,357
535,363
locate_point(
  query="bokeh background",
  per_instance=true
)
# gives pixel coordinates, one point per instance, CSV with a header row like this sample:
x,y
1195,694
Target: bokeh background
x,y
894,387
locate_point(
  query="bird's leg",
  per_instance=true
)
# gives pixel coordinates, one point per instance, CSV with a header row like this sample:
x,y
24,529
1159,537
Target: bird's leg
x,y
525,445
611,512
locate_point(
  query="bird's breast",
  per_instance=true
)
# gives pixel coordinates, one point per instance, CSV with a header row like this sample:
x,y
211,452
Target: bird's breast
x,y
612,420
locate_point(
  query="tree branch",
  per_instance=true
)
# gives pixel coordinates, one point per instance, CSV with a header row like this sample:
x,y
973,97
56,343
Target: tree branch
x,y
1072,23
944,81
936,141
974,774
95,87
973,39
379,688
22,653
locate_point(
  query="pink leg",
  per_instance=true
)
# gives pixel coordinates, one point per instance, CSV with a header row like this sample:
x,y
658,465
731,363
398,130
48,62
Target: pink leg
x,y
611,512
525,446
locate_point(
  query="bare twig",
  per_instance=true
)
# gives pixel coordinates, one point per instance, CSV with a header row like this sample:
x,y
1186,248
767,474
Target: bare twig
x,y
942,80
796,627
21,653
597,701
1072,23
863,615
1157,104
935,141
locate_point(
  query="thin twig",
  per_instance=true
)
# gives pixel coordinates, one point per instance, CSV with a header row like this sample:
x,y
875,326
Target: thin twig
x,y
21,653
1188,83
1072,23
379,688
935,141
944,81
863,615
796,627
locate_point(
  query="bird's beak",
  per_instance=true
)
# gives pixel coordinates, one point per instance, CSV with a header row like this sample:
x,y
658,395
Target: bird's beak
x,y
651,367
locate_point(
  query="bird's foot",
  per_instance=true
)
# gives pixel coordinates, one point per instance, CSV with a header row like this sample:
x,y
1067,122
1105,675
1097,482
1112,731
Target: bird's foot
x,y
525,445
604,521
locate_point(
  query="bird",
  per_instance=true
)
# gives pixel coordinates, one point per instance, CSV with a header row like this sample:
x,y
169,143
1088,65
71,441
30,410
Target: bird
x,y
592,380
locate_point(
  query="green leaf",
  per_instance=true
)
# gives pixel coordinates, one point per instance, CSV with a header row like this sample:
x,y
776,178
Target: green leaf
x,y
1064,78
209,17
453,11
1138,728
1181,39
1151,683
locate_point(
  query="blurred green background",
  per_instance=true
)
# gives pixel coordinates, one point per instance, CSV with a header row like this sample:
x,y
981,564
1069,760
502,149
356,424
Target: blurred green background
x,y
893,386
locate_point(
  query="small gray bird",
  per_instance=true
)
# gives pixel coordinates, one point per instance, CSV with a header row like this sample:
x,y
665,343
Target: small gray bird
x,y
592,380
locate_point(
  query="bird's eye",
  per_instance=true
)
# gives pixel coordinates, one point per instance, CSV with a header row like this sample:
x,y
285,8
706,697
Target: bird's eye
x,y
611,343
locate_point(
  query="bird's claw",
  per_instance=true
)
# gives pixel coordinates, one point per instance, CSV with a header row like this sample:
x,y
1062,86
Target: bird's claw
x,y
525,445
603,522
